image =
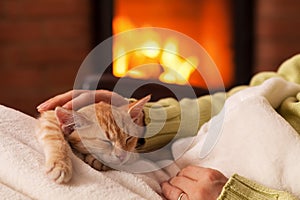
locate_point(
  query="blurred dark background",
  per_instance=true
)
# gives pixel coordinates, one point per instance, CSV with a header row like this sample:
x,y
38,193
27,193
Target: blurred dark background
x,y
43,43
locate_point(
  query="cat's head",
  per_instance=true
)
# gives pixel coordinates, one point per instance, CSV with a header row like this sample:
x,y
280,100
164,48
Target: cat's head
x,y
109,133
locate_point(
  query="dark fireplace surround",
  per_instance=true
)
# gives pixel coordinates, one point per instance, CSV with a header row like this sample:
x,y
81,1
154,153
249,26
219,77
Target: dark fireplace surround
x,y
243,53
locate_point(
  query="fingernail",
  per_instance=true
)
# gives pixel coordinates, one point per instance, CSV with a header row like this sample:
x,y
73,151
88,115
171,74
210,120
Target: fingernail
x,y
41,106
67,106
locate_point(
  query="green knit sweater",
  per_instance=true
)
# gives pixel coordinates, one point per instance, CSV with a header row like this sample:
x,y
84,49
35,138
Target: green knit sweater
x,y
169,119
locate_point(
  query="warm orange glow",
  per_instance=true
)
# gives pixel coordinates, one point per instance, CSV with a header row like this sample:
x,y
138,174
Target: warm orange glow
x,y
207,22
153,61
121,24
121,63
151,49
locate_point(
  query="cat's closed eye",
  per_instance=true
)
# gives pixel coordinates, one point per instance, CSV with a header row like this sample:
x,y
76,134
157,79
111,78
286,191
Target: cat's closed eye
x,y
107,142
129,139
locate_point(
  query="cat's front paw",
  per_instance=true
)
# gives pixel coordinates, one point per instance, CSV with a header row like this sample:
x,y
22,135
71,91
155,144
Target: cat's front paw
x,y
59,170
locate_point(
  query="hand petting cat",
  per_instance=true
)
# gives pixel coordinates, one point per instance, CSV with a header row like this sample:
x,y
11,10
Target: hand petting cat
x,y
75,99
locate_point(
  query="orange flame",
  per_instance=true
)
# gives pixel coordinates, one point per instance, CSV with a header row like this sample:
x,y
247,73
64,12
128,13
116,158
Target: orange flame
x,y
208,22
155,59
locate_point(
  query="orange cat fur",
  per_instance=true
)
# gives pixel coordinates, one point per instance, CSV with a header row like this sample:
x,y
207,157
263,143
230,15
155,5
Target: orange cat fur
x,y
98,133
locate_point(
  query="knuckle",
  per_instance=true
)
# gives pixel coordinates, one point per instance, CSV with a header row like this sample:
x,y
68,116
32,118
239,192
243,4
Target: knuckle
x,y
174,180
211,174
164,186
167,191
186,169
87,95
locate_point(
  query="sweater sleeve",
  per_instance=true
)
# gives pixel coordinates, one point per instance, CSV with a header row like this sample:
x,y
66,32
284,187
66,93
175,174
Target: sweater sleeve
x,y
289,70
240,188
169,119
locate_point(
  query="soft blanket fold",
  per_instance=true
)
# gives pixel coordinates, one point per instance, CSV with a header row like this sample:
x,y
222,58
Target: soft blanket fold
x,y
22,169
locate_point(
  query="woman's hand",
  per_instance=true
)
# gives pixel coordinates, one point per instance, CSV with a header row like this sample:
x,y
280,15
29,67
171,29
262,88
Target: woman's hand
x,y
194,183
76,99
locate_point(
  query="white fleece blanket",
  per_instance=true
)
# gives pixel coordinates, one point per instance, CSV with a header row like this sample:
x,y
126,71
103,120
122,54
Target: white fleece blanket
x,y
22,170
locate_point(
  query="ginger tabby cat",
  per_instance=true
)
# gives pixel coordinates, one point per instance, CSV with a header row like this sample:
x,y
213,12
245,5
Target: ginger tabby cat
x,y
100,134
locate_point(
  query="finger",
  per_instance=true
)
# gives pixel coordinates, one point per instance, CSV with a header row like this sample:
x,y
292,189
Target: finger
x,y
183,183
110,97
55,101
198,173
61,100
171,192
192,172
89,97
81,100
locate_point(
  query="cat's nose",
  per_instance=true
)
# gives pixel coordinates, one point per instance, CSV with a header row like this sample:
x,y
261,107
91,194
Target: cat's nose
x,y
121,156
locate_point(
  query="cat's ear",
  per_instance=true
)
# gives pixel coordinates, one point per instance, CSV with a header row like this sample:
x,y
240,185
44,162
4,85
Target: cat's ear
x,y
70,120
136,108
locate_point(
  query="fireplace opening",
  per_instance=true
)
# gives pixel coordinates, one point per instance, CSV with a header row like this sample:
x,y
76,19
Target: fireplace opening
x,y
223,27
207,22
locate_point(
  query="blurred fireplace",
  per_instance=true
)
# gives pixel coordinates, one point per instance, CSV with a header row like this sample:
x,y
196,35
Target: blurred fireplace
x,y
223,27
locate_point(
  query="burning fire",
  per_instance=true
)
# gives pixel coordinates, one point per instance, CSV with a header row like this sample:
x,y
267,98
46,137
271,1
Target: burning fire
x,y
207,22
155,59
